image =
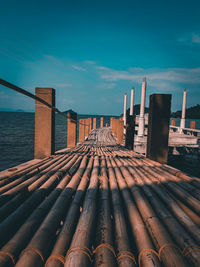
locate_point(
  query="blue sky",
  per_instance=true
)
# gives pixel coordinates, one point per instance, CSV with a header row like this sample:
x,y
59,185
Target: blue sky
x,y
92,52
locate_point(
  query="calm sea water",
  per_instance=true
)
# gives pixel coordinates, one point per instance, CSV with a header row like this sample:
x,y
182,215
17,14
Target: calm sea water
x,y
17,136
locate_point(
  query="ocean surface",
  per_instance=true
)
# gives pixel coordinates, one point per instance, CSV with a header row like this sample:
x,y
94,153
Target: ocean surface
x,y
17,135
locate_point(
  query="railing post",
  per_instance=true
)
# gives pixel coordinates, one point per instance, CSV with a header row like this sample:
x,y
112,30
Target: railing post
x,y
101,122
192,125
44,124
81,138
173,123
90,124
87,127
130,131
94,123
71,129
158,127
120,131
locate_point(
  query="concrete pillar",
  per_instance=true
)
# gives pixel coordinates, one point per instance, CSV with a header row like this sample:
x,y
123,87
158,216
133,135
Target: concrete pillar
x,y
101,122
44,124
81,138
132,101
173,123
119,129
94,123
124,117
130,130
71,129
158,127
182,124
192,125
87,127
142,110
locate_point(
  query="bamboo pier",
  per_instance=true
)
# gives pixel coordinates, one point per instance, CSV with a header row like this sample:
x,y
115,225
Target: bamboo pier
x,y
99,204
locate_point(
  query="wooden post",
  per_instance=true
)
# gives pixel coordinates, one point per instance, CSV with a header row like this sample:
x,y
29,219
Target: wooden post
x,y
158,127
120,131
71,129
192,125
106,124
173,123
90,124
130,130
94,123
87,127
44,124
111,120
81,131
101,122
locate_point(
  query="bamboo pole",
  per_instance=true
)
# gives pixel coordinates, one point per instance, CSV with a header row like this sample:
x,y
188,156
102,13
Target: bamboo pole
x,y
79,253
63,241
45,235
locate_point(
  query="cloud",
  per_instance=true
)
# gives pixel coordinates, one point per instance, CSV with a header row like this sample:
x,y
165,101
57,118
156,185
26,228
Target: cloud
x,y
106,85
188,39
90,62
175,75
196,38
78,68
63,85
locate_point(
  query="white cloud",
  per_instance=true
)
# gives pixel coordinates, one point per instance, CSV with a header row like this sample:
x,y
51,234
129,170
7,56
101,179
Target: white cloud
x,y
106,85
175,75
78,68
192,38
196,38
63,85
90,62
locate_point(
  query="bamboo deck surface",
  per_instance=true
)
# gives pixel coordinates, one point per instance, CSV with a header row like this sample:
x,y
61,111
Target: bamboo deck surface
x,y
98,204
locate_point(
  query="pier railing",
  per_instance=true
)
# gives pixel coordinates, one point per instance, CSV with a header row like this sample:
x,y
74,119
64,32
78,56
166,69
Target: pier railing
x,y
45,109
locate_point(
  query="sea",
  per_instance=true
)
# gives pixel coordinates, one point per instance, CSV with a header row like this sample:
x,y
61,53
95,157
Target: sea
x,y
17,136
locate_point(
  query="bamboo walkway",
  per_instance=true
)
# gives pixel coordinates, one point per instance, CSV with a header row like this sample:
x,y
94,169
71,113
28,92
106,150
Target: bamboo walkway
x,y
99,204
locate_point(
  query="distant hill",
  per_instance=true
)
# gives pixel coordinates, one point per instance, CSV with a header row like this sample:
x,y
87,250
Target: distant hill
x,y
136,110
69,110
191,113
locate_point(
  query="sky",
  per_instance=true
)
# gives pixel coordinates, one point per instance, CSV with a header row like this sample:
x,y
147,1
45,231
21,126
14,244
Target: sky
x,y
92,52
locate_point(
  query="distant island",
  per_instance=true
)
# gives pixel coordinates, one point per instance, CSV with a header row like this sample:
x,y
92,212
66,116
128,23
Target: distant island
x,y
191,113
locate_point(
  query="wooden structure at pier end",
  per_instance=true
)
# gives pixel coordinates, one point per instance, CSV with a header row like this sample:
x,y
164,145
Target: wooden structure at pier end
x,y
158,127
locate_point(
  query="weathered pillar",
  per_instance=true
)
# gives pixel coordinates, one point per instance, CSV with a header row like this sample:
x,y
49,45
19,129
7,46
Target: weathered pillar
x,y
130,130
158,127
182,124
81,131
44,124
94,123
124,117
173,123
192,125
119,130
87,127
71,129
142,110
101,122
132,101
